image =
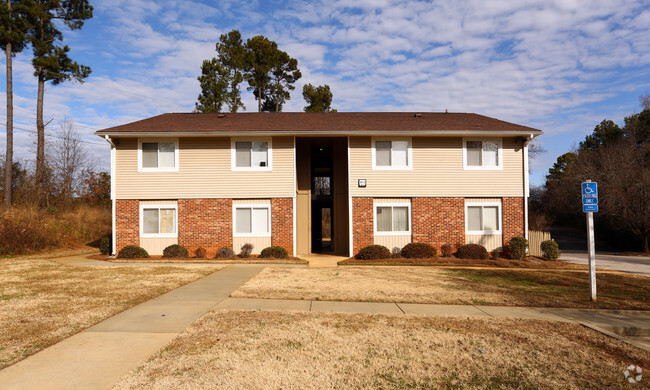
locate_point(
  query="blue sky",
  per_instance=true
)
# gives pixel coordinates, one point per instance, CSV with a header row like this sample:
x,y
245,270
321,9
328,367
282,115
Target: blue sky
x,y
560,66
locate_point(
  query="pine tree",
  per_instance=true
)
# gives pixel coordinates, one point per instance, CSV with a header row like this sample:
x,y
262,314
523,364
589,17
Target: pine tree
x,y
51,61
319,99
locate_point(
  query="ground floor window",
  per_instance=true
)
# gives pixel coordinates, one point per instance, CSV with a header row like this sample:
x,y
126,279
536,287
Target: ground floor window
x,y
392,218
252,220
483,218
158,221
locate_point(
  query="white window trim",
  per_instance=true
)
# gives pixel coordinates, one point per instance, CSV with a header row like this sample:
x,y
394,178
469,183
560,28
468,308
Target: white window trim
x,y
483,232
392,204
483,168
409,154
233,154
251,206
158,206
142,169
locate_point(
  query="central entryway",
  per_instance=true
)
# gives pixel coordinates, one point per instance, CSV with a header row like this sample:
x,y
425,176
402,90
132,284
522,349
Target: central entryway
x,y
322,195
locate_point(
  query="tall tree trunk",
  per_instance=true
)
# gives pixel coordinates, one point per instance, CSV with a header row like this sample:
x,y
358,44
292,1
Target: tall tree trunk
x,y
259,98
277,96
40,146
10,126
646,249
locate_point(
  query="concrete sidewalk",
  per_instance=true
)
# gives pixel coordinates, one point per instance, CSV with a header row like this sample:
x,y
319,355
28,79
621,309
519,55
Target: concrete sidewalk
x,y
99,356
631,326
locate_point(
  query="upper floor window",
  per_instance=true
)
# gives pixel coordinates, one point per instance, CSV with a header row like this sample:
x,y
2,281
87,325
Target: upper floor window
x,y
158,221
251,155
482,154
158,156
391,154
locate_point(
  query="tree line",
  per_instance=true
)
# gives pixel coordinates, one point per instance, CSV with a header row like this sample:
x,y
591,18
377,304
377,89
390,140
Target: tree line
x,y
618,159
270,73
33,23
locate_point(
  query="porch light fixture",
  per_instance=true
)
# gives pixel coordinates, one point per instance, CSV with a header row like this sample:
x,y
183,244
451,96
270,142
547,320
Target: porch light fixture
x,y
362,183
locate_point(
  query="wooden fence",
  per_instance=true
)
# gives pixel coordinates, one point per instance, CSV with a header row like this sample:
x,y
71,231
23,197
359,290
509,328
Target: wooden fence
x,y
535,239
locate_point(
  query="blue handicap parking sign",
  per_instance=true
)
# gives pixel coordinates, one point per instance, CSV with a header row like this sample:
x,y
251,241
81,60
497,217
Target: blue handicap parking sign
x,y
589,193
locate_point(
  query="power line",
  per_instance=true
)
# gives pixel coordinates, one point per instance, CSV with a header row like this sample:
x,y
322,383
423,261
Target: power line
x,y
50,135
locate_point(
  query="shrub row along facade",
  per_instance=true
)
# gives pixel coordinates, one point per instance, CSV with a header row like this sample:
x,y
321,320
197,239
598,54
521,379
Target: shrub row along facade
x,y
318,182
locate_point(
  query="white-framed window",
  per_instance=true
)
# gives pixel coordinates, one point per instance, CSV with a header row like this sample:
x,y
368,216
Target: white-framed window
x,y
483,218
158,221
251,154
252,220
392,219
392,154
482,154
158,155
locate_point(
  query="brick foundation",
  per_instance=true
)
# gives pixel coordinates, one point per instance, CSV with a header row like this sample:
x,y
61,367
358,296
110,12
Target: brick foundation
x,y
362,223
282,223
127,223
513,218
205,223
438,221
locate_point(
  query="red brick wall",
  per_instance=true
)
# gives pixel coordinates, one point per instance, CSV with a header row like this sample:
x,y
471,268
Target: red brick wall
x,y
513,218
205,222
282,223
438,221
362,223
127,223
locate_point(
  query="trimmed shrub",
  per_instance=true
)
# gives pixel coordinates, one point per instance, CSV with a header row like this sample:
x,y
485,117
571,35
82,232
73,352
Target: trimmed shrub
x,y
175,251
246,250
517,248
132,252
419,250
372,252
550,250
105,246
396,252
274,252
472,252
200,252
225,253
446,250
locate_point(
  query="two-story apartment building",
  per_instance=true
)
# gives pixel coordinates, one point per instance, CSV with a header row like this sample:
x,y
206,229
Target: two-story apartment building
x,y
312,182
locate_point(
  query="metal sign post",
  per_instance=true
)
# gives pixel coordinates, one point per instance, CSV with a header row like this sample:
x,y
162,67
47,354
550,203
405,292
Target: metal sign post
x,y
589,206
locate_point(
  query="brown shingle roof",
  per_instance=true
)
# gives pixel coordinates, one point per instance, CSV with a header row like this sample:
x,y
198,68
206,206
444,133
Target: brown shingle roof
x,y
317,122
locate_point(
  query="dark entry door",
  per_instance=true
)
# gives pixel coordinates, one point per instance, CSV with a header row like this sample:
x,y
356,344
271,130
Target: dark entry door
x,y
322,198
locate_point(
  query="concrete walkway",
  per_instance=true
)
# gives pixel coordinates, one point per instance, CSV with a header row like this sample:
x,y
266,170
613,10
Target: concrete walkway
x,y
99,356
322,260
631,326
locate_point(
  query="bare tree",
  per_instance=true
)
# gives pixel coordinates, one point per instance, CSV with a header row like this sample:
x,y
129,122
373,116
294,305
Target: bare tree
x,y
68,161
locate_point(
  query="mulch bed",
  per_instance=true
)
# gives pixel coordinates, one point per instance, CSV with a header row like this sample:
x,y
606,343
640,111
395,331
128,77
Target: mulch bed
x,y
532,263
194,260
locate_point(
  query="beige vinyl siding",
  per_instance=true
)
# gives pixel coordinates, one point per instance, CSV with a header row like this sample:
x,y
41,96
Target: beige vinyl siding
x,y
259,243
155,245
204,172
491,242
391,242
437,171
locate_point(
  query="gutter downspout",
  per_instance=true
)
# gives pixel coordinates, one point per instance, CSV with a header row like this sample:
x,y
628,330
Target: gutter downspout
x,y
526,184
113,150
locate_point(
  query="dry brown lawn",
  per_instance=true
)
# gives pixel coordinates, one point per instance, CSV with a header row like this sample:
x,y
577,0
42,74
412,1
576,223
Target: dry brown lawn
x,y
281,350
537,288
43,302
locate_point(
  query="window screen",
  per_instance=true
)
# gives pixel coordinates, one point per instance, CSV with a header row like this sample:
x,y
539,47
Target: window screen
x,y
243,220
382,153
483,218
150,221
243,154
166,155
384,219
400,154
150,155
